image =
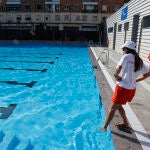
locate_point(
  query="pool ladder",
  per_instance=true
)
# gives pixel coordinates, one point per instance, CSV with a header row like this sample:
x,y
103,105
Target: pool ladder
x,y
104,51
90,43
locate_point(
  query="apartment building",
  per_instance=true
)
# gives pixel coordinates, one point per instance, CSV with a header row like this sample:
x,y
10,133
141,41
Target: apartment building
x,y
82,17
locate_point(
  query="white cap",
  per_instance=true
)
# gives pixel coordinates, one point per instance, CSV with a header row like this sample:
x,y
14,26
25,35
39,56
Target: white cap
x,y
130,45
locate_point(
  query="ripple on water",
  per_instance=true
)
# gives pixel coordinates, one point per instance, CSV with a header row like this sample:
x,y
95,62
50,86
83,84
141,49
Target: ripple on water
x,y
61,111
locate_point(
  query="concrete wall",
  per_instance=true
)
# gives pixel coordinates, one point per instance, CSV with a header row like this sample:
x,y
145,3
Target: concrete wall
x,y
137,27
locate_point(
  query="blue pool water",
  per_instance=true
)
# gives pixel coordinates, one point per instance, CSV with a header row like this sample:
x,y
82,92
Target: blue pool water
x,y
49,99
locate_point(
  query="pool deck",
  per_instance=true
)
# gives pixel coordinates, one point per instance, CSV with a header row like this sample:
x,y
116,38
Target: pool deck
x,y
138,111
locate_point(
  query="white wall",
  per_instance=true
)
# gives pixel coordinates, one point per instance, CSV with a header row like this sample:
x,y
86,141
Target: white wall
x,y
135,7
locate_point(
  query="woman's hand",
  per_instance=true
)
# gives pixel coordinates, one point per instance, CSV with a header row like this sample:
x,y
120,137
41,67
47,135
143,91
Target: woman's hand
x,y
116,75
118,78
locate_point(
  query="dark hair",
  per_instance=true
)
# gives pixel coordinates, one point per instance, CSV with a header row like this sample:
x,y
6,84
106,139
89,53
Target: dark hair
x,y
138,63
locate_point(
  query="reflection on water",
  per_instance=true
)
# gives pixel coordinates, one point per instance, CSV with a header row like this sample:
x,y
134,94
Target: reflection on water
x,y
61,111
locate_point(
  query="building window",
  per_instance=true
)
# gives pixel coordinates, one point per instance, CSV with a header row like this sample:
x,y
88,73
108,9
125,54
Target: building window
x,y
48,8
27,17
94,18
38,6
146,21
57,8
1,18
38,18
76,8
84,18
110,29
27,6
52,8
57,17
126,26
9,18
13,7
1,8
104,8
67,17
47,18
66,7
18,18
77,18
88,8
119,28
116,7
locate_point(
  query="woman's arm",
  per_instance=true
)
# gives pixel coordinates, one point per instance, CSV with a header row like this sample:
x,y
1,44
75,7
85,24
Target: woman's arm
x,y
144,76
116,75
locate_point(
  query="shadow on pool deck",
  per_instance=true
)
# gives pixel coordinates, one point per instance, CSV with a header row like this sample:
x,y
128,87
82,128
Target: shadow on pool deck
x,y
124,140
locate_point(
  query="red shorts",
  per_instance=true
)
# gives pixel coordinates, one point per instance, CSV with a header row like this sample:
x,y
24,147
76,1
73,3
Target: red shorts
x,y
122,95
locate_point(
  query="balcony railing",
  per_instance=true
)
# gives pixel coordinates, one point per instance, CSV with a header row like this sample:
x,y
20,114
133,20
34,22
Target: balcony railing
x,y
13,2
52,0
90,11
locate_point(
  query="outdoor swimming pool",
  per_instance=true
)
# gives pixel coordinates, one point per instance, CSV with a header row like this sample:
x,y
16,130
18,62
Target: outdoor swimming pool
x,y
49,99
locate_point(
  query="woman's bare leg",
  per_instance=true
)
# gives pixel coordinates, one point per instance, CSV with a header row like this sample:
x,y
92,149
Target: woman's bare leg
x,y
123,115
110,115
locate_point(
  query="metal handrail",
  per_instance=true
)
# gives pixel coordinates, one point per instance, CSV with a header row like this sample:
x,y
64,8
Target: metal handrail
x,y
106,52
90,43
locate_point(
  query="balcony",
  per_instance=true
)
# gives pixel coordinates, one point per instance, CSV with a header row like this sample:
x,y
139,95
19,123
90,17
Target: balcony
x,y
13,2
90,2
90,11
52,1
13,7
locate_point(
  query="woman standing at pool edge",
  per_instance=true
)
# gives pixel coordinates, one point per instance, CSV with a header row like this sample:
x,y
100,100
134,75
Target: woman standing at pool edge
x,y
129,70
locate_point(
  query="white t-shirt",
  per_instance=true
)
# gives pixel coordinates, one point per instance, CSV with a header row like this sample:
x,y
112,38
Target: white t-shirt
x,y
127,72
